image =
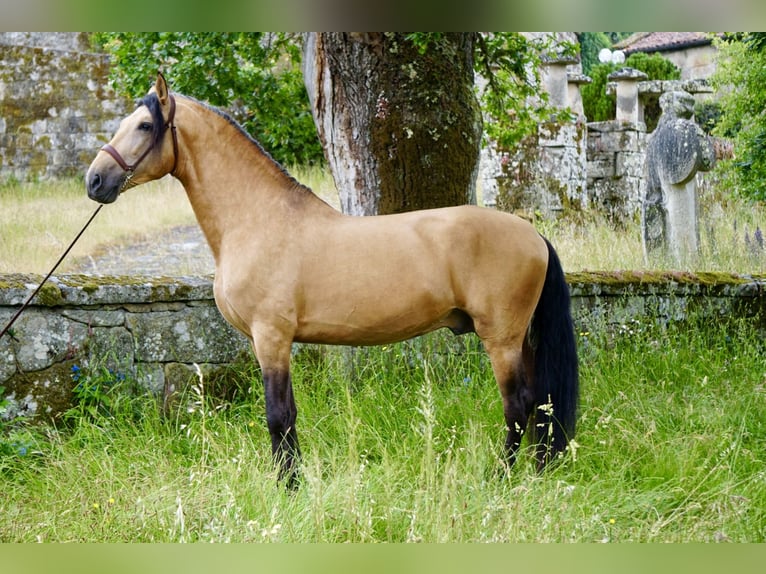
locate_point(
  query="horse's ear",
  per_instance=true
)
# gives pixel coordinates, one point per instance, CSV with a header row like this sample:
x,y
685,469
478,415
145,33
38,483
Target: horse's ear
x,y
161,87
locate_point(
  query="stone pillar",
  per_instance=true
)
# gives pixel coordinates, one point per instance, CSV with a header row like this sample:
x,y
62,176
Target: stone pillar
x,y
545,175
574,95
554,79
628,106
677,150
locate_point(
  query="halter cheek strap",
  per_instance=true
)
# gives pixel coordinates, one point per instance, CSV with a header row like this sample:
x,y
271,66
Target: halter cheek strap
x,y
130,168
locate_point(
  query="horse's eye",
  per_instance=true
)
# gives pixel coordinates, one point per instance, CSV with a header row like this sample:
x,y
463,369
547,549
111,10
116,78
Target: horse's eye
x,y
145,127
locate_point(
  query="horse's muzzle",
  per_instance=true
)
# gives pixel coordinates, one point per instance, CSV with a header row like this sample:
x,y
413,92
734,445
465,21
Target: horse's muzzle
x,y
103,189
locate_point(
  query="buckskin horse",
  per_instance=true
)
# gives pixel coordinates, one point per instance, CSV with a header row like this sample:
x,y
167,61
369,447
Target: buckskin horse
x,y
290,268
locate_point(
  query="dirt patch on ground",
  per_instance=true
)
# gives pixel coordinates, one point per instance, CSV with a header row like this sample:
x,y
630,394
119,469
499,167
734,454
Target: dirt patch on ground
x,y
177,252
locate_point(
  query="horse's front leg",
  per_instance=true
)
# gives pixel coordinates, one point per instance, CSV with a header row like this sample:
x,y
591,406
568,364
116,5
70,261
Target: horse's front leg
x,y
281,412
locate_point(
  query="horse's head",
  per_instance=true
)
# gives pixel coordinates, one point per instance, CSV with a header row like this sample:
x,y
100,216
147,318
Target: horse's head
x,y
143,149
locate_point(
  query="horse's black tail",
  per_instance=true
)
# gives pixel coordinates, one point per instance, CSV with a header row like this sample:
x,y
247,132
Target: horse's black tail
x,y
556,377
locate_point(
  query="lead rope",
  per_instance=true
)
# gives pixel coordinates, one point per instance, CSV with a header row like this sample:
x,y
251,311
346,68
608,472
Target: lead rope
x,y
40,286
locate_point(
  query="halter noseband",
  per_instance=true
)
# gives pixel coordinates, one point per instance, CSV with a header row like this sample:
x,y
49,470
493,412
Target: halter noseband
x,y
130,168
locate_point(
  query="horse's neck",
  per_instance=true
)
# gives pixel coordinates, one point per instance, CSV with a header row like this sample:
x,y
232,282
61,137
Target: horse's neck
x,y
233,186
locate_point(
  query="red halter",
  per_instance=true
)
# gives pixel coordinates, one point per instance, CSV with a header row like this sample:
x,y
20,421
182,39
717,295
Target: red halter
x,y
132,168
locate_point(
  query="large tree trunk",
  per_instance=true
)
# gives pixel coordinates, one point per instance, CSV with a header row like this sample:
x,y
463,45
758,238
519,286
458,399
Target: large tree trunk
x,y
401,129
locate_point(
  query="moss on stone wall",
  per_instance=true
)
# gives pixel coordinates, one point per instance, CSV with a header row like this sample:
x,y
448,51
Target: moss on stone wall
x,y
52,104
703,278
77,289
545,173
657,277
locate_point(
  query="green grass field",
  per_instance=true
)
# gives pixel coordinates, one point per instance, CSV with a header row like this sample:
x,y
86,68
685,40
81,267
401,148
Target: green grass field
x,y
671,447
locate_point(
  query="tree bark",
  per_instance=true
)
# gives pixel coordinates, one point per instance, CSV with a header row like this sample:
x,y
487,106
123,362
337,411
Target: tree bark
x,y
401,129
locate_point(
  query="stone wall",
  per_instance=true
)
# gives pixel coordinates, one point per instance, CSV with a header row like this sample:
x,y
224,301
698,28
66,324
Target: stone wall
x,y
613,299
616,153
150,329
546,174
571,165
55,108
156,329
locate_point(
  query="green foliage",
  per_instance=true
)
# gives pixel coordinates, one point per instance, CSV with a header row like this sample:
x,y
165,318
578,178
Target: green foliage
x,y
95,393
707,114
257,78
599,107
740,79
254,76
101,395
424,40
591,43
654,66
756,41
510,63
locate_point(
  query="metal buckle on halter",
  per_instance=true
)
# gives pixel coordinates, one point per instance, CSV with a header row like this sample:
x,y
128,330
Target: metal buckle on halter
x,y
126,184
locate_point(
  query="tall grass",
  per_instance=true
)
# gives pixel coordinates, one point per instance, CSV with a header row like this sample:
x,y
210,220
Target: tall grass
x,y
405,445
728,233
39,220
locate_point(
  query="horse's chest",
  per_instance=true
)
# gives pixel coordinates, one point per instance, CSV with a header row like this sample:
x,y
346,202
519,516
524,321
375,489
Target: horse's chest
x,y
228,309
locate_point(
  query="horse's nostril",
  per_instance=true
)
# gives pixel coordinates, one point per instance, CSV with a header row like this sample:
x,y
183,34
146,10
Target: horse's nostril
x,y
95,182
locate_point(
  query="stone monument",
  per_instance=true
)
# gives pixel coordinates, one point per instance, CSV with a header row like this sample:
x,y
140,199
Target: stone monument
x,y
677,150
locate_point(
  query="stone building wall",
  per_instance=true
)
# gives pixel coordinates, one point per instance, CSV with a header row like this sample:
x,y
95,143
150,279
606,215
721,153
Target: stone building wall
x,y
695,63
55,108
156,329
570,164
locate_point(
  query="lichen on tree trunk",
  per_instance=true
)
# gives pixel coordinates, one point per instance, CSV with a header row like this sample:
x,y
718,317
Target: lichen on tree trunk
x,y
401,128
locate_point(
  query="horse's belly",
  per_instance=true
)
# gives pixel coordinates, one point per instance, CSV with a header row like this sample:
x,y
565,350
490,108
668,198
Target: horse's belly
x,y
378,325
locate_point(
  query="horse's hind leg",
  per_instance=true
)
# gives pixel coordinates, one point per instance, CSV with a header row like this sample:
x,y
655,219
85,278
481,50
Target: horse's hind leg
x,y
516,392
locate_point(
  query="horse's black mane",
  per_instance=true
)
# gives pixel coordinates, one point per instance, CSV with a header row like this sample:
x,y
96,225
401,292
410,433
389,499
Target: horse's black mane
x,y
152,102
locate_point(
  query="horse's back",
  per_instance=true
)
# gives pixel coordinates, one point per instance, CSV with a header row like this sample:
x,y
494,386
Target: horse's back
x,y
460,240
484,245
